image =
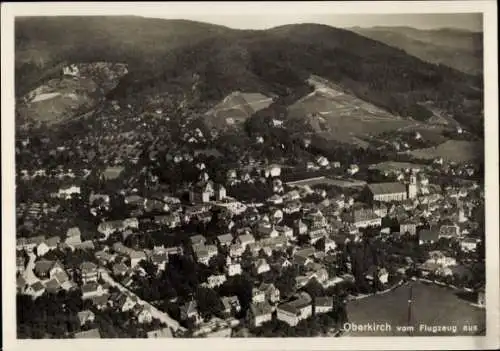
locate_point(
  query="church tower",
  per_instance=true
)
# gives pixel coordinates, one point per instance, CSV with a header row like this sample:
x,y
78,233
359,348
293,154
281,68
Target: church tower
x,y
412,186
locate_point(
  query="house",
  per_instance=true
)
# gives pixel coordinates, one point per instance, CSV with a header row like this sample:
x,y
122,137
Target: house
x,y
160,260
323,304
293,195
380,209
408,227
88,334
204,253
160,333
73,236
261,266
301,281
353,169
449,231
119,269
272,294
45,269
109,227
52,286
171,221
233,269
469,244
101,301
428,236
281,263
220,192
245,239
322,161
284,231
86,245
225,240
295,310
316,234
47,245
441,259
202,192
20,263
258,296
305,252
190,312
66,192
292,207
333,281
35,290
272,171
143,314
330,245
29,244
90,290
197,240
381,273
300,228
215,280
89,272
63,279
267,230
85,316
236,250
231,305
259,313
136,257
276,215
124,302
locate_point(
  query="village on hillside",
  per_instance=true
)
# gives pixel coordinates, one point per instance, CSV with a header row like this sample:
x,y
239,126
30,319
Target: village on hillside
x,y
245,252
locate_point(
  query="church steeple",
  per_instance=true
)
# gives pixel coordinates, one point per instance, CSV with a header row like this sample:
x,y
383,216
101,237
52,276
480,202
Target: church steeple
x,y
412,186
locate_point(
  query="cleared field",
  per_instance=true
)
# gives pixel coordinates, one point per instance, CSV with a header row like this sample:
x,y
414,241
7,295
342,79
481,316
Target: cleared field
x,y
58,99
432,306
236,108
452,150
341,183
340,116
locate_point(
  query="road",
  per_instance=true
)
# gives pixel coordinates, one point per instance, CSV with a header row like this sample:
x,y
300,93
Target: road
x,y
162,316
29,274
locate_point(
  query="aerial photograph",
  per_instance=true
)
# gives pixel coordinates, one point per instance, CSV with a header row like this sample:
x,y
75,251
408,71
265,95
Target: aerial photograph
x,y
249,177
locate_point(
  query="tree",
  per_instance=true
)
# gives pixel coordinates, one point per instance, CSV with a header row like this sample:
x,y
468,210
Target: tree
x,y
209,303
320,244
314,288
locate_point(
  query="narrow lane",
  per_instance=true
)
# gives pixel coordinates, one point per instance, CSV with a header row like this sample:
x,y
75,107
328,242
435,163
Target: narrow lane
x,y
156,313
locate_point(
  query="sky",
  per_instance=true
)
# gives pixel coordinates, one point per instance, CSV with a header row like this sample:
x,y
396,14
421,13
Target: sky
x,y
465,21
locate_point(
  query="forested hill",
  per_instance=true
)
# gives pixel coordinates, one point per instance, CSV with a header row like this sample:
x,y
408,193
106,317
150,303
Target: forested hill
x,y
164,55
459,49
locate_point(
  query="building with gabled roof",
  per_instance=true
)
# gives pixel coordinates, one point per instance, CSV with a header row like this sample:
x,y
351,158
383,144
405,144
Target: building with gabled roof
x,y
386,192
259,313
293,311
85,316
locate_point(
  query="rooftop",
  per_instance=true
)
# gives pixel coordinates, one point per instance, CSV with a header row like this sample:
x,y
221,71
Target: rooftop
x,y
387,188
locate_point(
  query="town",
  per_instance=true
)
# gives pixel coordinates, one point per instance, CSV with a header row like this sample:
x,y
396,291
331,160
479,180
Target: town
x,y
183,242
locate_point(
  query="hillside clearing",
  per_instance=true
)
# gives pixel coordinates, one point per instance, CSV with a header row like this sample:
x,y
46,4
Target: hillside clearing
x,y
452,151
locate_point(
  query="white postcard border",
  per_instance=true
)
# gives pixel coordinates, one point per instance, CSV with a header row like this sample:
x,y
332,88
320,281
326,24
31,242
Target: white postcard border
x,y
489,10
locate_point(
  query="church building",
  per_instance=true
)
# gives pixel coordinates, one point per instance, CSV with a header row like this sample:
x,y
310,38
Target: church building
x,y
391,191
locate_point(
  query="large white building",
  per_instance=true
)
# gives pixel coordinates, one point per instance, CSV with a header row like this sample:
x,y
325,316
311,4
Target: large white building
x,y
296,310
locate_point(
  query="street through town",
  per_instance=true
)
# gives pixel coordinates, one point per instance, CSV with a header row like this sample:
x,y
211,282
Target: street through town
x,y
156,313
